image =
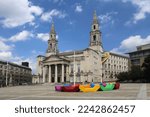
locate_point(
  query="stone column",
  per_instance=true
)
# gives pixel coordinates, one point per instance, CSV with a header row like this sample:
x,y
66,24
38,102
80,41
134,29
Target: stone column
x,y
43,74
56,73
62,73
50,78
67,73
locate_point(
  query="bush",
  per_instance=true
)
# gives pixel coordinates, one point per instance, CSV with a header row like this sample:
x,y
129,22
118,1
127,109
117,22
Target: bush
x,y
123,76
136,74
146,69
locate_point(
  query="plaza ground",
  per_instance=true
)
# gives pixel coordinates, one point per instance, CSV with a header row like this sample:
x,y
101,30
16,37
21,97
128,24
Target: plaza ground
x,y
127,91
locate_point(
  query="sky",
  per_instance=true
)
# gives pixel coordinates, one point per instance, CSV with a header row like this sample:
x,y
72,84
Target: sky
x,y
25,26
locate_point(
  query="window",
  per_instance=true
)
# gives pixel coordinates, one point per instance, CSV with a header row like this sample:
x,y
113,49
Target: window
x,y
105,66
50,45
94,27
71,68
78,68
94,38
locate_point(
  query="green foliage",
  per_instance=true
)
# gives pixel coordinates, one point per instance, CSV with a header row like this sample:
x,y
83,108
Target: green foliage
x,y
146,68
137,73
122,76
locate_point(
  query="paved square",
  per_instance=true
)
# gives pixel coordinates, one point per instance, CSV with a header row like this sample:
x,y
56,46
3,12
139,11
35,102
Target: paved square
x,y
127,91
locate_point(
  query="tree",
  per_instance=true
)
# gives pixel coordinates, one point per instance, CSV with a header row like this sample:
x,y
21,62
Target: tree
x,y
122,76
136,73
146,68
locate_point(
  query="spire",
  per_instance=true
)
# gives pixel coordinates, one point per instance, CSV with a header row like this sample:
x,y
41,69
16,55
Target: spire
x,y
95,35
52,42
95,19
52,29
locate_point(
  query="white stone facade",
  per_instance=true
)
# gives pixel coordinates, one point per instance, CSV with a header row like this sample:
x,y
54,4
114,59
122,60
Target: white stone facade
x,y
80,66
114,65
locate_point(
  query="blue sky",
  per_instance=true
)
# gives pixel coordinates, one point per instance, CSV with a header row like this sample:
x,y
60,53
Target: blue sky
x,y
25,26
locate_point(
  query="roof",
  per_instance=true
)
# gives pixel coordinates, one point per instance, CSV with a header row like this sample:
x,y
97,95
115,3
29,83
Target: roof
x,y
148,44
14,64
120,55
40,56
138,51
71,53
76,52
57,56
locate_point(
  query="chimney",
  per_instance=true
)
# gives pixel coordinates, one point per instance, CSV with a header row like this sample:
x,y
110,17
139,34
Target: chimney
x,y
25,64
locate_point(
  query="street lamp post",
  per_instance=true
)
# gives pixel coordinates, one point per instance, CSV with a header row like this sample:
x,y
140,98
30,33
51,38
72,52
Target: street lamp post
x,y
74,79
7,74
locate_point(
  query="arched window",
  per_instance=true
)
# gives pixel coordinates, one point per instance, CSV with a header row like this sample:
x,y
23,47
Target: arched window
x,y
94,27
50,45
94,38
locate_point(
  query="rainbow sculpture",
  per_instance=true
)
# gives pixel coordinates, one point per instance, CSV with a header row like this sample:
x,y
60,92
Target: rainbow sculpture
x,y
107,86
67,88
88,88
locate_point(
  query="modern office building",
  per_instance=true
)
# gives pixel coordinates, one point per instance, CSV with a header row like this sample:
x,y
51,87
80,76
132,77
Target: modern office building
x,y
14,74
85,65
137,57
115,64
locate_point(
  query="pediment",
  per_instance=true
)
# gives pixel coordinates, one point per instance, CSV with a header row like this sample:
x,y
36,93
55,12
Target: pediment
x,y
54,58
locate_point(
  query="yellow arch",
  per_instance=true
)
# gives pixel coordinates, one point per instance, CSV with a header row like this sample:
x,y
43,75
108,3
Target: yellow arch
x,y
105,56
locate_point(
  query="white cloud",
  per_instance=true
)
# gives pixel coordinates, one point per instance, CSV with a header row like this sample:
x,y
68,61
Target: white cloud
x,y
5,51
5,47
106,18
43,36
15,13
78,8
21,36
142,11
31,60
5,55
57,37
36,10
129,44
8,56
47,16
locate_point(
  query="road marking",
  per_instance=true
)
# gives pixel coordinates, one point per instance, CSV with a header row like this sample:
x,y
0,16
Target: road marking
x,y
142,93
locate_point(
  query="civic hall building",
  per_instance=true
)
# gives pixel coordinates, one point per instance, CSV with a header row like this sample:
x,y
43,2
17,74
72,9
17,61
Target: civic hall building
x,y
87,65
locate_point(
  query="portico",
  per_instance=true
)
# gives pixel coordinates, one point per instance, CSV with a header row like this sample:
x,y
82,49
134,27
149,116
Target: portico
x,y
55,70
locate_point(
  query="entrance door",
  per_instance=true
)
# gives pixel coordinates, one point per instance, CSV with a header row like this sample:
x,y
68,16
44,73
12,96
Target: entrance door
x,y
53,79
58,79
64,79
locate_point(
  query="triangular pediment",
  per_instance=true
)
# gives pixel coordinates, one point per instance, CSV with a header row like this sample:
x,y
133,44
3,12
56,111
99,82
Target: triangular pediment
x,y
54,58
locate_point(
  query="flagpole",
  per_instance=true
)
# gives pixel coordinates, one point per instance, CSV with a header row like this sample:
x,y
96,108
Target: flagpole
x,y
74,69
7,74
